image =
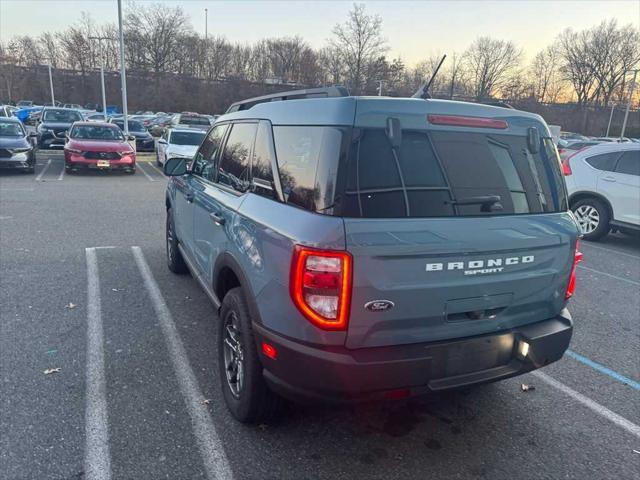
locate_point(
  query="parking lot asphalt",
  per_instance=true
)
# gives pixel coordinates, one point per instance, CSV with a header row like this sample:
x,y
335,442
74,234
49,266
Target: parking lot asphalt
x,y
84,288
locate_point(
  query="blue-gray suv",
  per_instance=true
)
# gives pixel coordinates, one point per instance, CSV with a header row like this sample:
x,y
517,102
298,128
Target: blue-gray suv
x,y
369,248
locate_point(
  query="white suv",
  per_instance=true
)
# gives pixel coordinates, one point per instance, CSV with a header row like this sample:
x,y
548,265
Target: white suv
x,y
604,188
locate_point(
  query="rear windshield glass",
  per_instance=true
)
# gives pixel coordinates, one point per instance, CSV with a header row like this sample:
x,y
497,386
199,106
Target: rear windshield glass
x,y
134,125
443,174
187,138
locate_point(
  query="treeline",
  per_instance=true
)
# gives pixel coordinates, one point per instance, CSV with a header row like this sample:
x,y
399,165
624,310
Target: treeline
x,y
589,67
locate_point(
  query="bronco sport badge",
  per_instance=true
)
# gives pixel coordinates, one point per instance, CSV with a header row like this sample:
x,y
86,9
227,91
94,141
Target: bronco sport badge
x,y
480,267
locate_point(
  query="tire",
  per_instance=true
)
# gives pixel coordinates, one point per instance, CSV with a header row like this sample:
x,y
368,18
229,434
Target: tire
x,y
593,218
250,400
175,262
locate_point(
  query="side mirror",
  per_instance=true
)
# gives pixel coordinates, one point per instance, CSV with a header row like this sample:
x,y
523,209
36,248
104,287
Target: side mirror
x,y
131,138
533,140
174,167
394,132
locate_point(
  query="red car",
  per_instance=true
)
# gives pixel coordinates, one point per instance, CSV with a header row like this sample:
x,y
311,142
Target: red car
x,y
99,146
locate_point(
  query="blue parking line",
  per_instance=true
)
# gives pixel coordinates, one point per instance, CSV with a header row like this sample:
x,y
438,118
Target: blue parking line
x,y
603,369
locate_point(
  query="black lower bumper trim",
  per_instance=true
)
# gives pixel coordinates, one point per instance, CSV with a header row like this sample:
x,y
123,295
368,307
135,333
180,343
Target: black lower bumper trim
x,y
304,372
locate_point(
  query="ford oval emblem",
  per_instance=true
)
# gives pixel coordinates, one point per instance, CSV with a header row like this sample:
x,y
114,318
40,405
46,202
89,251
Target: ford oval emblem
x,y
379,305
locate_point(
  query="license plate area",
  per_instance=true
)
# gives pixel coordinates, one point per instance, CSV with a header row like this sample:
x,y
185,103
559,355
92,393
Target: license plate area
x,y
104,163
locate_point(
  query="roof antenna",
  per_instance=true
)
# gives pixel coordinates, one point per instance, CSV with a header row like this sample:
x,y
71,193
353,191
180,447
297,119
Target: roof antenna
x,y
423,91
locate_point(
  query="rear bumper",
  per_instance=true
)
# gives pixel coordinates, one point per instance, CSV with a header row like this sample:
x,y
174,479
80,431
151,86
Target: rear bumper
x,y
145,145
304,372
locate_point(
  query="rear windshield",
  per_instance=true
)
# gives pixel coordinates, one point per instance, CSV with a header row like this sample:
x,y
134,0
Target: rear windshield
x,y
445,174
187,138
192,120
134,125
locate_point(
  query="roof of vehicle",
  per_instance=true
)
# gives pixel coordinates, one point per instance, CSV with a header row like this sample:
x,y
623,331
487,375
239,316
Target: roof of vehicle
x,y
93,124
371,111
10,120
608,147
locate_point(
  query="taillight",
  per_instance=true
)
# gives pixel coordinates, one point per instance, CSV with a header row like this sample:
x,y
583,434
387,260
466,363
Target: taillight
x,y
577,258
320,286
566,167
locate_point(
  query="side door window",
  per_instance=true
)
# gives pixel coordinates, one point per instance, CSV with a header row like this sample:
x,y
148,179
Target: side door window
x,y
234,169
629,163
204,162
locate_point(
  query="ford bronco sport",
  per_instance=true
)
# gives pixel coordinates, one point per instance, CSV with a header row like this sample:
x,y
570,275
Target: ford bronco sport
x,y
369,248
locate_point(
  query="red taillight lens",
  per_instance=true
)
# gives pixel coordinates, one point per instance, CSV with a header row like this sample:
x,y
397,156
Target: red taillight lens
x,y
320,286
460,121
577,258
566,167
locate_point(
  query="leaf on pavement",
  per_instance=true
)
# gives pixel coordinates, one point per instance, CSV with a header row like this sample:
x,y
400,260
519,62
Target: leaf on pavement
x,y
71,305
206,401
527,388
49,371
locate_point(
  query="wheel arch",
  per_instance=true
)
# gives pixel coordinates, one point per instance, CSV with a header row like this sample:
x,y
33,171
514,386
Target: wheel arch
x,y
577,196
228,274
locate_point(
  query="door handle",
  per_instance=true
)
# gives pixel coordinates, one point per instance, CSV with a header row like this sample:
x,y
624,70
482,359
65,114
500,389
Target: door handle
x,y
189,197
217,218
608,179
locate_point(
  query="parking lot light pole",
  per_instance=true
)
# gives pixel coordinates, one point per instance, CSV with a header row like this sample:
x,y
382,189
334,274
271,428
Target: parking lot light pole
x,y
626,112
104,96
206,24
53,98
123,78
613,106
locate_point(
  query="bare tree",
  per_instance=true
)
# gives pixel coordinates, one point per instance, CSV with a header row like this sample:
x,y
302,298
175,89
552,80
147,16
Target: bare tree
x,y
359,41
489,64
331,65
544,73
157,30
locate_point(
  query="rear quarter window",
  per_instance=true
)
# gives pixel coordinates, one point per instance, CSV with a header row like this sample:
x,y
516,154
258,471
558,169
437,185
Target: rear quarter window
x,y
605,161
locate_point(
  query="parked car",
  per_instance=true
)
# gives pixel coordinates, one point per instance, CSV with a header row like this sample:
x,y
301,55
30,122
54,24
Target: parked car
x,y
144,140
571,136
100,146
24,104
74,106
158,125
367,248
96,117
603,182
6,111
54,124
178,142
192,120
566,149
16,149
612,139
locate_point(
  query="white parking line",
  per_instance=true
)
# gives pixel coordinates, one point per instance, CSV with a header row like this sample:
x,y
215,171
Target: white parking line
x,y
43,170
614,250
97,462
5,217
594,406
155,168
213,455
61,176
622,279
145,173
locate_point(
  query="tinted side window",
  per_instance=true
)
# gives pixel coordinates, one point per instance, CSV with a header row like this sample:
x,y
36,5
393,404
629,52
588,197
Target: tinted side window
x,y
629,163
234,163
605,161
299,151
204,163
261,168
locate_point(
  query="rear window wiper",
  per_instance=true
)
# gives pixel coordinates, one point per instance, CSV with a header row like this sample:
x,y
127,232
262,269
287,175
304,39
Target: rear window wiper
x,y
490,203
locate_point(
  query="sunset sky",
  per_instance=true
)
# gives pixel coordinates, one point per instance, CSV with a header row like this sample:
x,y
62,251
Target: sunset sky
x,y
414,29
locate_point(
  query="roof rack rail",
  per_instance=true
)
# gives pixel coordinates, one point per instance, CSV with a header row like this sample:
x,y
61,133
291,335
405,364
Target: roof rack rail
x,y
322,92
